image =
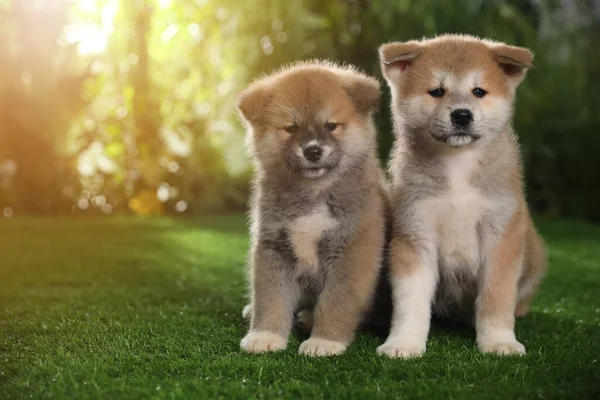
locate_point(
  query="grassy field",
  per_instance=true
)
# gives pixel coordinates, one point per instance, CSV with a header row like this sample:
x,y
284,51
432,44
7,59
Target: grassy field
x,y
134,308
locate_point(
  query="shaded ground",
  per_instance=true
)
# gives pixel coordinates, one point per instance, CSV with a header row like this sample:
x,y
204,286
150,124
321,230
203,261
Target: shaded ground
x,y
132,308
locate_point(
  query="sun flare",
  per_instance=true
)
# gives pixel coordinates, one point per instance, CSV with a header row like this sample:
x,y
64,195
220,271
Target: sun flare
x,y
91,36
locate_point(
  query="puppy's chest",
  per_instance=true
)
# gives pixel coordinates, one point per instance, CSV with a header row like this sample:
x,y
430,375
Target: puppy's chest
x,y
454,215
457,217
305,234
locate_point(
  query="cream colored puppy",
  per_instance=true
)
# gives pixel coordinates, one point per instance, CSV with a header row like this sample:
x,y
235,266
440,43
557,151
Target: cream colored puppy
x,y
463,240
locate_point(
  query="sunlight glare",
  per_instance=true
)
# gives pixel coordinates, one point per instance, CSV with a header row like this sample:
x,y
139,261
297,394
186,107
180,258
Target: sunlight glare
x,y
169,33
83,204
92,37
87,6
196,31
162,193
181,206
8,212
176,143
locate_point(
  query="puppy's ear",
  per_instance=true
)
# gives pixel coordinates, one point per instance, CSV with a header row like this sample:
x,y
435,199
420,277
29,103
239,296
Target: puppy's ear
x,y
514,62
397,57
363,90
253,101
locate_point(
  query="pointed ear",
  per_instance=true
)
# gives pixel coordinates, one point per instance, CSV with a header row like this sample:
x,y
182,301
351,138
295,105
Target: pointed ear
x,y
253,101
396,57
364,91
514,61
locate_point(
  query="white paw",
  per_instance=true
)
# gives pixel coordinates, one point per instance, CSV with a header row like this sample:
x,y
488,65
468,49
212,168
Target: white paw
x,y
316,347
247,311
401,349
259,342
512,348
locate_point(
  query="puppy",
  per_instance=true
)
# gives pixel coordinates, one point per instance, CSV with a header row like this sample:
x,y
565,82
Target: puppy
x,y
317,209
463,240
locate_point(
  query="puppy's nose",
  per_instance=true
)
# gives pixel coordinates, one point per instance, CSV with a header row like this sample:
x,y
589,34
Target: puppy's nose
x,y
313,153
462,116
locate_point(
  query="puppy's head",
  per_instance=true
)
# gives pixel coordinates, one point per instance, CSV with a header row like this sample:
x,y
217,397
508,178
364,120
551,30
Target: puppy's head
x,y
310,119
454,90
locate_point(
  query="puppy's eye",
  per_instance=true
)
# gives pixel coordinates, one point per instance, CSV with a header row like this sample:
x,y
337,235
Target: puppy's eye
x,y
479,92
291,129
330,126
437,93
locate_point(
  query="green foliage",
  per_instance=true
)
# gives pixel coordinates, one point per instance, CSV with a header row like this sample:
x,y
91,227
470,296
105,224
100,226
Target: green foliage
x,y
556,116
113,105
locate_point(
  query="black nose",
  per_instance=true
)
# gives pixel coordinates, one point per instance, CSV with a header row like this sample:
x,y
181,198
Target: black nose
x,y
313,153
462,117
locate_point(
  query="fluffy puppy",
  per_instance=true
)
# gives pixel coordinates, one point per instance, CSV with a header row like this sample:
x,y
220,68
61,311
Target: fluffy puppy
x,y
463,240
317,209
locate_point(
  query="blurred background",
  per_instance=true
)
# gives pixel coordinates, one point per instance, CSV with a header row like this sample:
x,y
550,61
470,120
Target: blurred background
x,y
128,106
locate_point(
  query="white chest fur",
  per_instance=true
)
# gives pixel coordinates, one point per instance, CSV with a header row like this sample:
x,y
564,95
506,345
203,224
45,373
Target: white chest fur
x,y
453,216
305,232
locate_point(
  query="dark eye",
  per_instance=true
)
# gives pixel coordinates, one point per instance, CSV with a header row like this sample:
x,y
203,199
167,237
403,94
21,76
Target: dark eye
x,y
291,129
479,92
438,93
330,126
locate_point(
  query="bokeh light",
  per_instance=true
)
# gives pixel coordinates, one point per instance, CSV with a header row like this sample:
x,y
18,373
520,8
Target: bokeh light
x,y
7,212
135,101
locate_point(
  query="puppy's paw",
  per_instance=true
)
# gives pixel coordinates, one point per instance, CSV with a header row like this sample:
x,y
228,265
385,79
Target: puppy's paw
x,y
401,349
262,341
247,311
305,320
316,347
513,348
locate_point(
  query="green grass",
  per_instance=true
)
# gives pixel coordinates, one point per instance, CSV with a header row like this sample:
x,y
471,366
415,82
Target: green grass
x,y
134,308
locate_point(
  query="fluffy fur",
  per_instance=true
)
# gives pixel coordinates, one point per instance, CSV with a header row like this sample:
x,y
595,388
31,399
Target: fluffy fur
x,y
317,224
463,240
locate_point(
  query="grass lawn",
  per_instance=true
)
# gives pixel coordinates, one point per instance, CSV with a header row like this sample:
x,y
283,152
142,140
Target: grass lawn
x,y
138,308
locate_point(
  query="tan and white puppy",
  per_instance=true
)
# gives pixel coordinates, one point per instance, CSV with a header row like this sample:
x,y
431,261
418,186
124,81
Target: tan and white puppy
x,y
317,207
463,240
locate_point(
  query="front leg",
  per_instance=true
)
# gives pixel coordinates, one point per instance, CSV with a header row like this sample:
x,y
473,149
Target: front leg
x,y
497,298
273,300
413,273
347,294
